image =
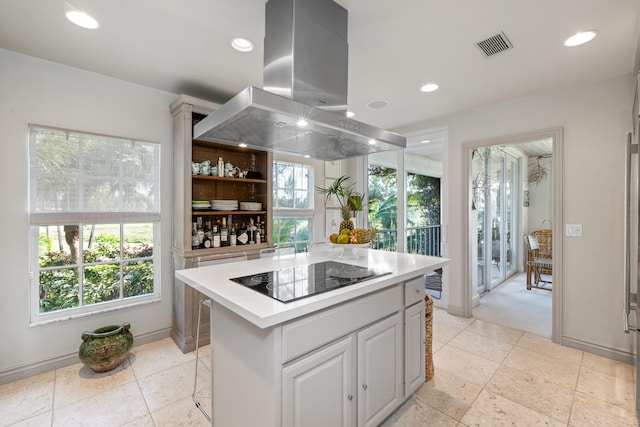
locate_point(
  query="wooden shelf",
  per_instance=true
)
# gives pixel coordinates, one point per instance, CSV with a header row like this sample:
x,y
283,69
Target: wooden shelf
x,y
227,179
221,213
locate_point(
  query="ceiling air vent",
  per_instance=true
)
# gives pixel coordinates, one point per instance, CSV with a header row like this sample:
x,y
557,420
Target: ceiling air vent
x,y
495,44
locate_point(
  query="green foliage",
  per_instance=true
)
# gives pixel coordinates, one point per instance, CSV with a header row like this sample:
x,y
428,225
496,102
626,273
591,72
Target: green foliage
x,y
60,289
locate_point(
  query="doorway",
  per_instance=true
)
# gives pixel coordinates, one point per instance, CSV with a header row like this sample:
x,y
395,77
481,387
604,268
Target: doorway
x,y
502,213
496,178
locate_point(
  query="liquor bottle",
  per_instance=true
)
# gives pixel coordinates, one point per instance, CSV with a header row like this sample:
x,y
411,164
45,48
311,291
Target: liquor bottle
x,y
243,238
262,231
216,234
206,243
258,237
233,237
224,233
200,232
251,231
195,244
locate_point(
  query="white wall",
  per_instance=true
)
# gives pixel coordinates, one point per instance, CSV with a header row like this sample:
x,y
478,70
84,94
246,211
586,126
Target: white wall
x,y
41,92
594,119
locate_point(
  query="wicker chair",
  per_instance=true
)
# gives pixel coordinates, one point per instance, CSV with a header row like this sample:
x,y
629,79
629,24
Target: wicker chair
x,y
539,262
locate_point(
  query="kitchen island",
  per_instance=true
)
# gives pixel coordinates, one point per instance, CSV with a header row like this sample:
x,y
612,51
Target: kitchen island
x,y
350,356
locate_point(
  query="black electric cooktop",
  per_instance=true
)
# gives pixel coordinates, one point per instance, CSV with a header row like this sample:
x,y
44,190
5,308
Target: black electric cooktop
x,y
302,281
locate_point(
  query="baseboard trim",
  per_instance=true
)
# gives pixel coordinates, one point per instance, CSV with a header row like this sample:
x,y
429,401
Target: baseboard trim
x,y
609,353
60,361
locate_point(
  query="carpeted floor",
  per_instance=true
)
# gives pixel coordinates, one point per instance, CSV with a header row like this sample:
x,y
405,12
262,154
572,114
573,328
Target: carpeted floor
x,y
512,305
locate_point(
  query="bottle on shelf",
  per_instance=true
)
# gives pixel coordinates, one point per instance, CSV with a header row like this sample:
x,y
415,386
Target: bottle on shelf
x,y
233,237
262,230
243,237
220,166
200,229
251,231
216,235
224,234
195,244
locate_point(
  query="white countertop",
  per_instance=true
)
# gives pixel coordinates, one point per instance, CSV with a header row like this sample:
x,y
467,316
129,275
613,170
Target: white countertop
x,y
214,282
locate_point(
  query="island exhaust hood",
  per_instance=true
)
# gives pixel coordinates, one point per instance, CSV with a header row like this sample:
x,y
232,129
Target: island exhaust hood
x,y
302,109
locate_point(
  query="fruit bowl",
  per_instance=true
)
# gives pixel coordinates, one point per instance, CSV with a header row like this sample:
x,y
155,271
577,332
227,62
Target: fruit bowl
x,y
349,249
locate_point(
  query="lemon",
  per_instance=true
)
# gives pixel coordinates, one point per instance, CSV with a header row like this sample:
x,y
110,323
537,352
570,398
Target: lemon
x,y
343,238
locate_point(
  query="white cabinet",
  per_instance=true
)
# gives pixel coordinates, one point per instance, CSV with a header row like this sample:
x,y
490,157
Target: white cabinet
x,y
414,343
380,375
317,390
320,389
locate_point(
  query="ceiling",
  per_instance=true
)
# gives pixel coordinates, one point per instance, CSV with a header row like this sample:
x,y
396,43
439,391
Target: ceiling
x,y
183,47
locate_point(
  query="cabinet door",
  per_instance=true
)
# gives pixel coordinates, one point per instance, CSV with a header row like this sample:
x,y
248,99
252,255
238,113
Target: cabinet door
x,y
380,376
318,389
414,342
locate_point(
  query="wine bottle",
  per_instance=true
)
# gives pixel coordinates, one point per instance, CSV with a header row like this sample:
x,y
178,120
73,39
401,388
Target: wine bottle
x,y
224,234
195,244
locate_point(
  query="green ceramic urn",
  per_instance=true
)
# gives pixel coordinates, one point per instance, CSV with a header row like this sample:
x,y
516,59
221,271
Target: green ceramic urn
x,y
106,347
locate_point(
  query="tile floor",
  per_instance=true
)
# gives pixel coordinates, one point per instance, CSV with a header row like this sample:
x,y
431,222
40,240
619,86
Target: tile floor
x,y
485,375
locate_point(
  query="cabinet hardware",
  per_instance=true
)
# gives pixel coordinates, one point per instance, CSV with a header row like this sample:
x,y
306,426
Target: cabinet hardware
x,y
350,397
364,386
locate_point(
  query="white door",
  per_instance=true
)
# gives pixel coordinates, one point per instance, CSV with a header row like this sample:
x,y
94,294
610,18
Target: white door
x,y
380,373
414,342
318,389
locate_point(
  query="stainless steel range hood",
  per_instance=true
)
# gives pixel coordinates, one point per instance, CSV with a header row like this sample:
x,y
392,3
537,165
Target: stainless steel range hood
x,y
303,107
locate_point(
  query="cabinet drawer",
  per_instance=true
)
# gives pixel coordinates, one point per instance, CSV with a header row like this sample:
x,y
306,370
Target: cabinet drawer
x,y
302,336
413,291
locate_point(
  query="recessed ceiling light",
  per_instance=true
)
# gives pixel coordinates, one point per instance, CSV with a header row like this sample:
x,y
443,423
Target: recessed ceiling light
x,y
429,87
580,38
242,144
378,103
81,19
372,141
350,114
302,123
425,141
306,156
241,44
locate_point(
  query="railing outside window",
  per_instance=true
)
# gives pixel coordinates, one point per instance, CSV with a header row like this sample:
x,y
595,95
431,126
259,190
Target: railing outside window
x,y
424,240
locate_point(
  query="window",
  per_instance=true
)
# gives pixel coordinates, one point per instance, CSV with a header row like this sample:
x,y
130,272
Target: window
x,y
94,213
292,204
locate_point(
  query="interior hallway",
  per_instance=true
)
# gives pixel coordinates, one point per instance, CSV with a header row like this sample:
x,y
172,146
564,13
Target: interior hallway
x,y
512,305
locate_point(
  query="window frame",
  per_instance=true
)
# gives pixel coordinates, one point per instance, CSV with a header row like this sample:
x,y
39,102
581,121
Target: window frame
x,y
283,213
87,217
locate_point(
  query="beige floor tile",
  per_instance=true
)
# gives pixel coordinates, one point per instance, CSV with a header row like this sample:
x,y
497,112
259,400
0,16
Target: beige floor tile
x,y
77,382
488,348
158,358
42,420
607,366
23,399
145,421
178,414
589,411
491,410
205,356
533,392
441,316
448,394
495,331
608,388
415,413
436,345
475,369
545,346
551,369
444,332
111,408
179,380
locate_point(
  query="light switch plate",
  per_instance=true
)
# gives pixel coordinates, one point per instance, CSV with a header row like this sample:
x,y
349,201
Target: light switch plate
x,y
573,230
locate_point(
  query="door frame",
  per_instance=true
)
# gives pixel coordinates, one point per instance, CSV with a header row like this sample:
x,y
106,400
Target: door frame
x,y
557,218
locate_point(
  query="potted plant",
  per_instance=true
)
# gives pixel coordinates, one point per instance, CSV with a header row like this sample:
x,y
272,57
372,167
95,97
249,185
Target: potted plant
x,y
348,200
